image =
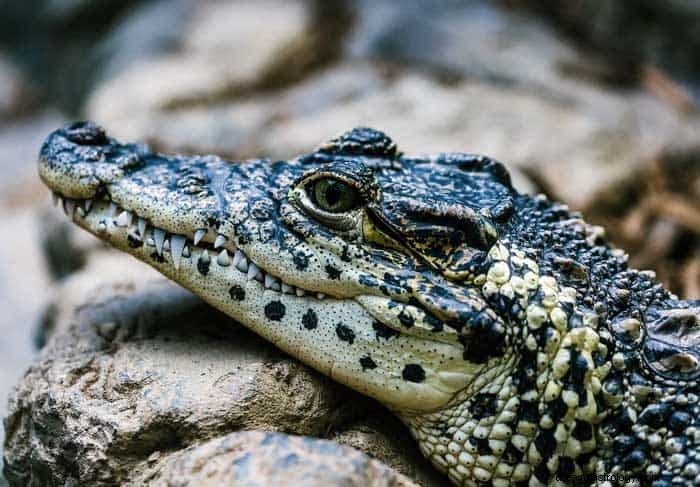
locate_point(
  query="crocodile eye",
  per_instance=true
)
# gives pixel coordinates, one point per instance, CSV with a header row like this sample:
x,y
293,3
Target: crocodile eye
x,y
334,196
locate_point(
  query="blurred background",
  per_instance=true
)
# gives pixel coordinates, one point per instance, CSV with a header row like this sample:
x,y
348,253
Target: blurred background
x,y
592,102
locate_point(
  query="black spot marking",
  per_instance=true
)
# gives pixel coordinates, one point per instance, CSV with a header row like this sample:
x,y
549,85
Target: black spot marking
x,y
133,242
345,333
367,363
332,272
413,373
274,310
301,261
157,257
582,431
484,405
203,266
237,293
309,320
406,319
383,331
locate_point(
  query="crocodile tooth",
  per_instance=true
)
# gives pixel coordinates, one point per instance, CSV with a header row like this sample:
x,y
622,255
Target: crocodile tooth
x,y
237,256
69,207
88,205
125,218
205,256
80,211
276,286
159,238
270,280
242,264
142,225
252,271
55,199
300,292
177,244
287,289
320,295
223,259
186,252
112,210
166,245
199,235
150,242
102,226
220,240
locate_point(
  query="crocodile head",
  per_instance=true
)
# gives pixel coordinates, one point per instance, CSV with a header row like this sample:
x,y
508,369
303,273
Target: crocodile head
x,y
498,326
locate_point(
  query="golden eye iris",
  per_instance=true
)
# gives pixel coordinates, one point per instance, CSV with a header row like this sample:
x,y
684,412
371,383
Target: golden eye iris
x,y
334,196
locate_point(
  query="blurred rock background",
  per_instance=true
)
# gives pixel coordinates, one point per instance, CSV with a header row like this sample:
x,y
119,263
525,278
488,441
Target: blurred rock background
x,y
592,102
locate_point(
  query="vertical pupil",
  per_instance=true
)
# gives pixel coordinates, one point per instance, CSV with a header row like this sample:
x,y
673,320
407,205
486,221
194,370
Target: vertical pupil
x,y
333,192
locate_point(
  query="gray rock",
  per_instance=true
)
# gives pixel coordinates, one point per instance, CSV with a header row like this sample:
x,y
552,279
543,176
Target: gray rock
x,y
254,458
137,370
507,97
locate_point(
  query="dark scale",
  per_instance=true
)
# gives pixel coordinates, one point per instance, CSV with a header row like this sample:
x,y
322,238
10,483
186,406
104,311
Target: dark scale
x,y
275,310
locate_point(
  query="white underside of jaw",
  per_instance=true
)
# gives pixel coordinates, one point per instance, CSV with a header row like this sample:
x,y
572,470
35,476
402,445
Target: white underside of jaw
x,y
204,244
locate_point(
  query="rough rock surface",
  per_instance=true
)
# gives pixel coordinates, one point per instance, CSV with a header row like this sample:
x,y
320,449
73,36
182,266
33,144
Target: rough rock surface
x,y
136,370
257,458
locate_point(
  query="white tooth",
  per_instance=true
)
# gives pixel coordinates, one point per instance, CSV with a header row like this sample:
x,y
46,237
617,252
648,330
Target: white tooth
x,y
220,240
112,210
88,205
199,235
300,292
150,242
242,264
270,280
223,259
69,207
237,257
102,226
177,244
166,245
186,252
79,210
287,289
159,237
320,295
252,271
205,256
276,286
125,218
142,225
55,199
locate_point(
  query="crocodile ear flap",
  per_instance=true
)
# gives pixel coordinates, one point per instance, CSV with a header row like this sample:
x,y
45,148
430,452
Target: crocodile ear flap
x,y
446,235
672,344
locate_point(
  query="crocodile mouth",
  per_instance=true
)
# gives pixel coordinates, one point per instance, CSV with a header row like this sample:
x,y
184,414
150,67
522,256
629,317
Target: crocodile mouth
x,y
105,218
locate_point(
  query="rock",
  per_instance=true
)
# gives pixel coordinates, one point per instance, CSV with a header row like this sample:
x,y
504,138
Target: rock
x,y
14,93
136,369
505,94
227,48
264,458
19,146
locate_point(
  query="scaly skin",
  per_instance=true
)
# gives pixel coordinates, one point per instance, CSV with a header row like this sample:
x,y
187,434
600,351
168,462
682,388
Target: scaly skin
x,y
509,337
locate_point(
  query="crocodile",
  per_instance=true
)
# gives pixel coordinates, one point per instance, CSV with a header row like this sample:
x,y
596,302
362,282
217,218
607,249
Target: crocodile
x,y
506,333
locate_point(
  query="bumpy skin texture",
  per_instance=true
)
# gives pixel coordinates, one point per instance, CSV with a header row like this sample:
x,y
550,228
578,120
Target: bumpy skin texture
x,y
516,345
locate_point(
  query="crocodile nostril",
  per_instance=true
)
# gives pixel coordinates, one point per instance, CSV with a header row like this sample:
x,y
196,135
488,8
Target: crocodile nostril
x,y
86,133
